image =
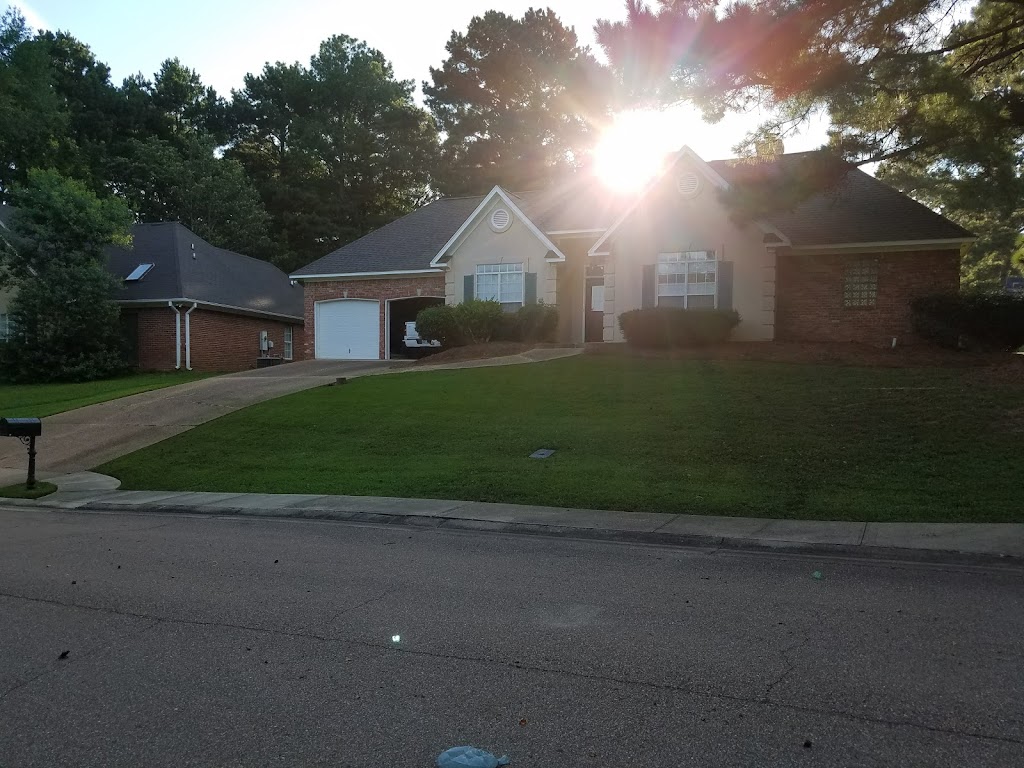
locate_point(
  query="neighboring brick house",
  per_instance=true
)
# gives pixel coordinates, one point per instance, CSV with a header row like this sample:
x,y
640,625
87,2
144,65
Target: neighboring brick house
x,y
842,265
189,305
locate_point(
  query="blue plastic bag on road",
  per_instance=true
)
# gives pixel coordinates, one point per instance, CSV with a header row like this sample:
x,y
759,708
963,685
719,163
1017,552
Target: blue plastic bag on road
x,y
470,757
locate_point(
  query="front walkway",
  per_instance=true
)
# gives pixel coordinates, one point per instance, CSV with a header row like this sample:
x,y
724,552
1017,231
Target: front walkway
x,y
88,491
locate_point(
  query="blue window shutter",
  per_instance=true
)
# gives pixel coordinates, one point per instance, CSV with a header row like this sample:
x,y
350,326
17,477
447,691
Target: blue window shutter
x,y
648,293
467,287
725,285
530,288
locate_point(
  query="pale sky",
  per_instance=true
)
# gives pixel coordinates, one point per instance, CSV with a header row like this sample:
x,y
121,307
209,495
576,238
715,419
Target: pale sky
x,y
225,39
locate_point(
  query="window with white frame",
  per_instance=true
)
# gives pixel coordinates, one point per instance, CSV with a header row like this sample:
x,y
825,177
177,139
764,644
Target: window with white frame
x,y
688,280
287,342
503,283
6,327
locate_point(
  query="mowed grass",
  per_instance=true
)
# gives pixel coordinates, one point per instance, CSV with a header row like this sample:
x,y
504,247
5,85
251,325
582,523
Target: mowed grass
x,y
19,491
47,399
701,437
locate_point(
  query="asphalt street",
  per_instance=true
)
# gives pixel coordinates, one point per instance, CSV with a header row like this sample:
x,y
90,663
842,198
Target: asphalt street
x,y
167,640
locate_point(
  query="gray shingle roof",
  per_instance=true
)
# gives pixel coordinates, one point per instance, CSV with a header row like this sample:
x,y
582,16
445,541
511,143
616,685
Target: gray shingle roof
x,y
187,267
857,209
408,243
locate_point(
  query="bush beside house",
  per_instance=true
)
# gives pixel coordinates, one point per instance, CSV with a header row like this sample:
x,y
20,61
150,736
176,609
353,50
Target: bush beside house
x,y
663,327
973,320
478,322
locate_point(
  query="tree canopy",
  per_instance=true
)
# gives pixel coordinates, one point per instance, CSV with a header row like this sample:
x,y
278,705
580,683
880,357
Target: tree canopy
x,y
66,321
932,88
335,149
519,100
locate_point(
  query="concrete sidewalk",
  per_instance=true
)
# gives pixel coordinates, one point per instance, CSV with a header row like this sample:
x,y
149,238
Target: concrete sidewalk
x,y
88,491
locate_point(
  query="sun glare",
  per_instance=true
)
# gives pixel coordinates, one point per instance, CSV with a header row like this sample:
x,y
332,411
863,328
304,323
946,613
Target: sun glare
x,y
634,147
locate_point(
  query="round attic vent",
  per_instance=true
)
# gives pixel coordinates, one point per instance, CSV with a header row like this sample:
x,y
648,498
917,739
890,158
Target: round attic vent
x,y
500,220
688,184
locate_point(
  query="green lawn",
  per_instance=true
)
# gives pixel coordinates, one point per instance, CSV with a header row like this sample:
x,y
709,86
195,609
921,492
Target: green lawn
x,y
729,438
20,492
47,399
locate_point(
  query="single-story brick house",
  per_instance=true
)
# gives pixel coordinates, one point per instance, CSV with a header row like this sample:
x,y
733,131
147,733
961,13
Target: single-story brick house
x,y
187,304
841,266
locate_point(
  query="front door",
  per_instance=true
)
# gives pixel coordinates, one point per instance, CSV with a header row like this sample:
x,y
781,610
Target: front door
x,y
594,327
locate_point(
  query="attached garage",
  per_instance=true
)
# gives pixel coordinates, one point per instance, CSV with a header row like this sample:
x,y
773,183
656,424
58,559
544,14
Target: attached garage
x,y
348,329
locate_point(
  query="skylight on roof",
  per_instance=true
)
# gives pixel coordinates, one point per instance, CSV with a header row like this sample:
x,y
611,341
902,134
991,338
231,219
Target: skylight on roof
x,y
138,273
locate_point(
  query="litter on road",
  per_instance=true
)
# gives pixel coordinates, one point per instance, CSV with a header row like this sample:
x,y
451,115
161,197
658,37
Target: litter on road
x,y
470,757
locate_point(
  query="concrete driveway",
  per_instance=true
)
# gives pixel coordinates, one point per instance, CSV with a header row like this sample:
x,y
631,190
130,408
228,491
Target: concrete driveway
x,y
77,440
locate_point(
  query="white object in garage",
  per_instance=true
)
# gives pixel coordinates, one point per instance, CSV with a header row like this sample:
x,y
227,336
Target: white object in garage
x,y
348,329
412,338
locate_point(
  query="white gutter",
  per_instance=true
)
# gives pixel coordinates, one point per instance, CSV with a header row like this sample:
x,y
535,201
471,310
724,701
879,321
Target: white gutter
x,y
337,275
177,335
197,302
188,339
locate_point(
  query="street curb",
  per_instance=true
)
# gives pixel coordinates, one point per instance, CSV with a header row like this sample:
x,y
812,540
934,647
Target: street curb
x,y
412,520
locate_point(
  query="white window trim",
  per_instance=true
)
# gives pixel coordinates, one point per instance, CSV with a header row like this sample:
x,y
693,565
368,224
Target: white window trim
x,y
6,327
522,283
289,343
687,257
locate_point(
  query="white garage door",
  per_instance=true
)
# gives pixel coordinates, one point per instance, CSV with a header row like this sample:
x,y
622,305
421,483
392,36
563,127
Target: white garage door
x,y
348,329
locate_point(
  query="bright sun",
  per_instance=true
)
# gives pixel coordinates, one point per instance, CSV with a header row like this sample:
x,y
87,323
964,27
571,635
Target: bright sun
x,y
634,147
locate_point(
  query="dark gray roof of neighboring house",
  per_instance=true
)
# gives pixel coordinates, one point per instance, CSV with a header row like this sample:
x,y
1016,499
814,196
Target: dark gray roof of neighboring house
x,y
408,243
6,213
857,209
187,267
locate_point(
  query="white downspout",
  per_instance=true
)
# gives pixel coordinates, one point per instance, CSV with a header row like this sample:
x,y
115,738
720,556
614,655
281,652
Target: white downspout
x,y
188,339
177,335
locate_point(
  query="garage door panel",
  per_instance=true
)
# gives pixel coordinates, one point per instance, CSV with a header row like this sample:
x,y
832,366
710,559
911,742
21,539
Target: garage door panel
x,y
348,329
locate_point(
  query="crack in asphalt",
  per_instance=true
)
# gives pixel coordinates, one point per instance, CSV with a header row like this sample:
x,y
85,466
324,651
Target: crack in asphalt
x,y
676,688
785,654
55,667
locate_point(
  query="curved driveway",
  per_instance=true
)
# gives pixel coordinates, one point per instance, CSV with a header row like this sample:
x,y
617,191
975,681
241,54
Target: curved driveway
x,y
80,439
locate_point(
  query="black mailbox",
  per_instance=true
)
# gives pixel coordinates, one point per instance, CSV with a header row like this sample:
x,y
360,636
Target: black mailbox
x,y
21,427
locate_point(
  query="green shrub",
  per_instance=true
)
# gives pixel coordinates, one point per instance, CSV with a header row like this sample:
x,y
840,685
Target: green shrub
x,y
531,323
536,323
666,327
477,321
438,324
974,320
472,322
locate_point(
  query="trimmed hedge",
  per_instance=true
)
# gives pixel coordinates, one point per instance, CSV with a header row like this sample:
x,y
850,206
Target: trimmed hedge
x,y
476,322
531,323
665,327
971,320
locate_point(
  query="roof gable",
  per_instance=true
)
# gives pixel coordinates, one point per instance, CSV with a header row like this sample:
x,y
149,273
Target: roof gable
x,y
685,153
475,218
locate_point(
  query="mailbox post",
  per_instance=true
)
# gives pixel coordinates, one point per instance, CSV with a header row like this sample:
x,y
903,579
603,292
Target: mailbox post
x,y
26,430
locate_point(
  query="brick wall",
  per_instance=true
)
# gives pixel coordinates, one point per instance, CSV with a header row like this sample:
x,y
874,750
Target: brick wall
x,y
809,301
388,288
220,341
